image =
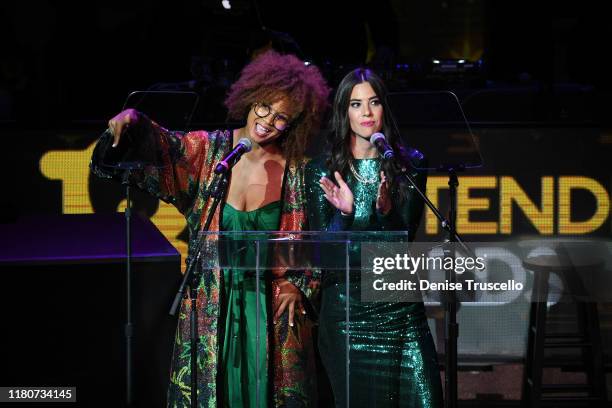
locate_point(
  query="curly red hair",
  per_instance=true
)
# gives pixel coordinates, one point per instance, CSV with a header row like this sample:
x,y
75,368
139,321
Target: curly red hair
x,y
272,76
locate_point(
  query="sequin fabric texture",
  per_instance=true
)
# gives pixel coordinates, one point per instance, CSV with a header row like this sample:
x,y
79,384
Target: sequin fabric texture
x,y
393,361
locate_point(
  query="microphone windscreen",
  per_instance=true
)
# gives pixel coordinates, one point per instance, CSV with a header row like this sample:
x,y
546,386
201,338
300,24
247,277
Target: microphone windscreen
x,y
248,145
376,136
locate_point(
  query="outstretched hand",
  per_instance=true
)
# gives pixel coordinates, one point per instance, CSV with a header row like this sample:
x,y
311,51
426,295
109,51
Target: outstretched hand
x,y
121,122
340,196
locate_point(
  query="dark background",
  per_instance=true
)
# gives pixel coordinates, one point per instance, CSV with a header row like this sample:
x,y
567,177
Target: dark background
x,y
66,69
537,95
63,62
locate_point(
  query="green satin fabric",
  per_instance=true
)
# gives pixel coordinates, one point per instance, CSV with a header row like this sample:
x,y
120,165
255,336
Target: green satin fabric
x,y
393,361
239,363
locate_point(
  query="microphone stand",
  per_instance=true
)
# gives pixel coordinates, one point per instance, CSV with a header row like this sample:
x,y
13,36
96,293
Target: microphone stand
x,y
192,279
450,304
450,315
129,325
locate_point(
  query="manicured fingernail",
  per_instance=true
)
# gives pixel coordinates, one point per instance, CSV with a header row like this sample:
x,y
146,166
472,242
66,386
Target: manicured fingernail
x,y
114,144
291,324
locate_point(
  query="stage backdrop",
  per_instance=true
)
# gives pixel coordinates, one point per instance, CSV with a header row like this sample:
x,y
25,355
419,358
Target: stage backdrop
x,y
537,180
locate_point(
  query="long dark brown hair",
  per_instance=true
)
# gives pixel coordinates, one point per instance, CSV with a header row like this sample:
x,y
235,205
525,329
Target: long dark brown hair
x,y
339,139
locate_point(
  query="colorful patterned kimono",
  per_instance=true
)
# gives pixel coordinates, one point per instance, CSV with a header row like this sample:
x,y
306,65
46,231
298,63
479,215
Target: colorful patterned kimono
x,y
181,175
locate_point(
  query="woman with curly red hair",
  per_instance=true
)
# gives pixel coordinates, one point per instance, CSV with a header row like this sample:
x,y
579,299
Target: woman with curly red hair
x,y
281,101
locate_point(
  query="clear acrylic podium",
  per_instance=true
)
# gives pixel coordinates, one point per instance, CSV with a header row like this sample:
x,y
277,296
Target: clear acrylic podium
x,y
312,261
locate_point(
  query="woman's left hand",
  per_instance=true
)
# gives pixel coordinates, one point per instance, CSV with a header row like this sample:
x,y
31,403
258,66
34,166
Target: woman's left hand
x,y
383,198
286,297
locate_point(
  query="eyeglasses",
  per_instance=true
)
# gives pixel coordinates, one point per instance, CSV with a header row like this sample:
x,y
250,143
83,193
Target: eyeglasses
x,y
279,121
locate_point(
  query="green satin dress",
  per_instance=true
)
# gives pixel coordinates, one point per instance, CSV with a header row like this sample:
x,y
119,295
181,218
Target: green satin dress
x,y
239,363
393,361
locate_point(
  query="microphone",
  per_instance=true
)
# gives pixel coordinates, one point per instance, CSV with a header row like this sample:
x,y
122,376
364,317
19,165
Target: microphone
x,y
244,145
379,140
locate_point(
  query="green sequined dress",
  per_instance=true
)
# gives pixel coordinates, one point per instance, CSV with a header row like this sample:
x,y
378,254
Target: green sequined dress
x,y
239,363
393,361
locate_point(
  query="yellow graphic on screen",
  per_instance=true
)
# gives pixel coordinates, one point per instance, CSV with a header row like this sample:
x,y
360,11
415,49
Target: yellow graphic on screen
x,y
540,216
72,168
509,193
566,185
470,204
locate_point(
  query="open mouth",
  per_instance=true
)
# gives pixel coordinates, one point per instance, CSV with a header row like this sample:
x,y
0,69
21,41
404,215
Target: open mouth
x,y
262,131
368,124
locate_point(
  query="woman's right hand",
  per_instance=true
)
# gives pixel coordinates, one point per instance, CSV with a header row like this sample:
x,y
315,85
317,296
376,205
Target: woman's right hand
x,y
121,122
340,196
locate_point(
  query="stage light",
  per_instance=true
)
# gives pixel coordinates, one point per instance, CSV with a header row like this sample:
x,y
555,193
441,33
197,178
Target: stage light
x,y
226,4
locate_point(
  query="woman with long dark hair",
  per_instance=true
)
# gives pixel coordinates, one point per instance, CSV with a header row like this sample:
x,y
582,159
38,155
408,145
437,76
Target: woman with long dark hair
x,y
393,360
